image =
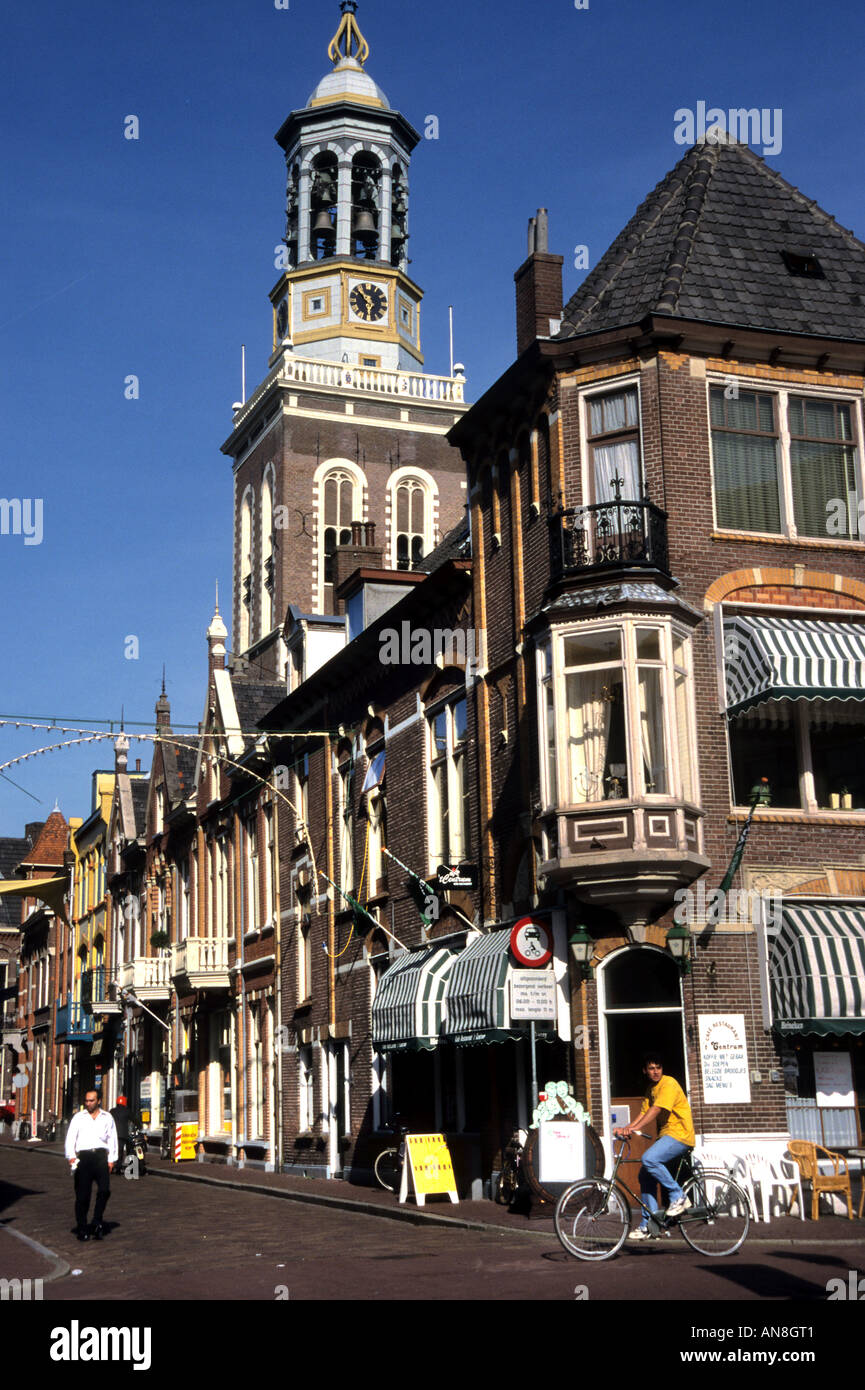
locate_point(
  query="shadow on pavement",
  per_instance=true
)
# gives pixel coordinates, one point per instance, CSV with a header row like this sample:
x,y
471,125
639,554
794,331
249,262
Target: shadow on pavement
x,y
10,1193
754,1278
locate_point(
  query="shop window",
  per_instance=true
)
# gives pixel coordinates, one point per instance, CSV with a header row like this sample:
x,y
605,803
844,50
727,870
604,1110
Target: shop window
x,y
813,753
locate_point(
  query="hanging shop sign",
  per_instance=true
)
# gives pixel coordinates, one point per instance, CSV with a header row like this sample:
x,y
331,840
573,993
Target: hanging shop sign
x,y
428,1167
833,1079
451,876
724,1059
532,942
533,994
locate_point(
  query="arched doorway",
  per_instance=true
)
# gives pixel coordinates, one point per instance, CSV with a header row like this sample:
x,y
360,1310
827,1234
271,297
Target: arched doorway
x,y
639,1009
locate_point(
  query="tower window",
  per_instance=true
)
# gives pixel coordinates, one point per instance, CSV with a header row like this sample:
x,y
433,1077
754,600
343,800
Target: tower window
x,y
803,263
411,530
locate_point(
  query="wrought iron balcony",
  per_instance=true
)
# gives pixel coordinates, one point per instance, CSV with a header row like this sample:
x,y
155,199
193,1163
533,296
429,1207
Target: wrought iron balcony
x,y
73,1024
621,534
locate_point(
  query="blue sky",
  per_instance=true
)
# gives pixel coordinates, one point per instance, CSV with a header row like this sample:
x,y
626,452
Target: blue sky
x,y
154,257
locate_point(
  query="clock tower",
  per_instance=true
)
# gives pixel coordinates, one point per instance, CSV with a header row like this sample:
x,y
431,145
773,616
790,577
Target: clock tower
x,y
343,442
346,295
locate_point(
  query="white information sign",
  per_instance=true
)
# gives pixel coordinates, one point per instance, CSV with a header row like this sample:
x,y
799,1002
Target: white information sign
x,y
724,1059
561,1151
833,1078
533,994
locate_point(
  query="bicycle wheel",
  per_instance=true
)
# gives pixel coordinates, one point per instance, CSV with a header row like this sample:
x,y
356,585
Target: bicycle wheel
x,y
592,1220
388,1169
720,1216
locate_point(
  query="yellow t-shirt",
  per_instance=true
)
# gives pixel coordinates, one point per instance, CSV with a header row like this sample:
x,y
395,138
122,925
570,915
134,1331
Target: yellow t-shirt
x,y
669,1095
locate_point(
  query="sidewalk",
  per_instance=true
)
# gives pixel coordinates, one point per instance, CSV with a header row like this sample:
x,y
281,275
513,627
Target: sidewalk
x,y
477,1215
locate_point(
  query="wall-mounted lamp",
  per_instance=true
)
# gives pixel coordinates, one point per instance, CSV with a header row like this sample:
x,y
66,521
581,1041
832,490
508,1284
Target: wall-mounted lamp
x,y
582,945
679,946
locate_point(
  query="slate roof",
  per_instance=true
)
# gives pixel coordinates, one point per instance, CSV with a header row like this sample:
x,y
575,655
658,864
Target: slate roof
x,y
12,851
138,788
706,245
456,545
254,700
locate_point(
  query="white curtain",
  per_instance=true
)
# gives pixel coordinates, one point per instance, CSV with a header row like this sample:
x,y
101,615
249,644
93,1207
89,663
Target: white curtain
x,y
652,731
588,732
617,461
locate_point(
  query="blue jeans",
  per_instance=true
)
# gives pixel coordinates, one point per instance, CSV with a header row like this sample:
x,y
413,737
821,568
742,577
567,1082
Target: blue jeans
x,y
655,1170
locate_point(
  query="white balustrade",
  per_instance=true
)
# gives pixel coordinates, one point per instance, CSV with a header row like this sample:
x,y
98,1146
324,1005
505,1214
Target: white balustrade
x,y
378,381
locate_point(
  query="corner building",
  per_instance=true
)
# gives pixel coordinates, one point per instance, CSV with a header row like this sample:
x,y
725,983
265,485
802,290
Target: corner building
x,y
671,584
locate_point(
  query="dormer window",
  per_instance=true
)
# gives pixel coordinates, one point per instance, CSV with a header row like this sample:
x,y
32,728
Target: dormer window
x,y
803,263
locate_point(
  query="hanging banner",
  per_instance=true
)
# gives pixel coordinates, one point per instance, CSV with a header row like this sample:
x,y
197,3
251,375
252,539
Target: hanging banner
x,y
428,1163
724,1059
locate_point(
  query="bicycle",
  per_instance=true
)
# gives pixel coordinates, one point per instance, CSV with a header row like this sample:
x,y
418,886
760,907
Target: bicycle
x,y
593,1216
390,1162
510,1177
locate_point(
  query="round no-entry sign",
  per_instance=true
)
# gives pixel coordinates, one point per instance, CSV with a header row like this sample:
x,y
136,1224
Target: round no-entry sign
x,y
532,941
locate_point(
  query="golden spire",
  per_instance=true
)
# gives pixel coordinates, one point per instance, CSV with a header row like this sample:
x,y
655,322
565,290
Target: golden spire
x,y
348,34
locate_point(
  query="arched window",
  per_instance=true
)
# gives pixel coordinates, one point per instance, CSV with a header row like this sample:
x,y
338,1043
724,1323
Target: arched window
x,y
245,599
322,206
365,205
267,558
340,502
412,527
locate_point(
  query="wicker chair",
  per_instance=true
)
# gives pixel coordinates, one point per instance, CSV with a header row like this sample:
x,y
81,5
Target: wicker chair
x,y
806,1155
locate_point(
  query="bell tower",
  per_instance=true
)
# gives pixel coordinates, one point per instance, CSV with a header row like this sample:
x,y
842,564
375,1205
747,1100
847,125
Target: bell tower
x,y
347,428
346,295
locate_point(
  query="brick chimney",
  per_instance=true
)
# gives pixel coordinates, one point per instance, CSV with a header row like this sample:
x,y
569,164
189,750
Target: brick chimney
x,y
361,552
539,287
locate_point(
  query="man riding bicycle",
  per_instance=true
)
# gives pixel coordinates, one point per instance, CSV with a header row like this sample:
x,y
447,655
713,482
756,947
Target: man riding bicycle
x,y
666,1101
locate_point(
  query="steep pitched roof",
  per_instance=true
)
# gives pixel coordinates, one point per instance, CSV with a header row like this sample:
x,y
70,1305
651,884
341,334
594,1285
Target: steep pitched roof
x,y
52,841
254,700
12,851
138,789
456,545
707,245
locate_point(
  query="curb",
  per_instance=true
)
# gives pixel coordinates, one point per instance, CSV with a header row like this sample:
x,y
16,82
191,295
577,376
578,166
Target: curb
x,y
59,1269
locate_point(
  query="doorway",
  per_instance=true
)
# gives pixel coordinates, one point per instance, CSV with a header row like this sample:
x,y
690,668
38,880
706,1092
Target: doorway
x,y
639,1009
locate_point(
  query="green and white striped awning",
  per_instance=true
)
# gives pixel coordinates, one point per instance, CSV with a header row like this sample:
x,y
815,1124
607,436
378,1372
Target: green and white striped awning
x,y
767,658
477,1007
407,1007
817,967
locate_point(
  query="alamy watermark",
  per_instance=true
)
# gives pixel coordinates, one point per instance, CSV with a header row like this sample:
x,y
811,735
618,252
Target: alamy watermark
x,y
696,906
423,646
21,1290
846,517
22,516
711,126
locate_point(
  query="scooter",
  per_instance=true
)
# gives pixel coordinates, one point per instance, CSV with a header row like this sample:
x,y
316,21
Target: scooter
x,y
134,1165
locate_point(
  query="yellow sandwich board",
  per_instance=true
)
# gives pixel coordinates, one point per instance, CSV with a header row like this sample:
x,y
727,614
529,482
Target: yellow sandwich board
x,y
432,1171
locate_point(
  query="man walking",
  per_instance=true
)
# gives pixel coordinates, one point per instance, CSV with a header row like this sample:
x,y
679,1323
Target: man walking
x,y
120,1115
91,1148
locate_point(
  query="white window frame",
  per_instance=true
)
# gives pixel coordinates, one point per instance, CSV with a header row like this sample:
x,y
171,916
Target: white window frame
x,y
401,476
306,1088
782,394
626,626
459,848
611,387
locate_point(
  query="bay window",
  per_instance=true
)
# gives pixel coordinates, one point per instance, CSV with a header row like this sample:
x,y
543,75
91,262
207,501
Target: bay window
x,y
622,728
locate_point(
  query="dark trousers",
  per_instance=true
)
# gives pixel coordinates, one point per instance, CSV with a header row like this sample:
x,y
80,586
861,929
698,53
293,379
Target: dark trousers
x,y
92,1168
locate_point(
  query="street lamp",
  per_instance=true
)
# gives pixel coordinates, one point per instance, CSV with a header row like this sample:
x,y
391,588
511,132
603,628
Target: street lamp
x,y
582,945
679,946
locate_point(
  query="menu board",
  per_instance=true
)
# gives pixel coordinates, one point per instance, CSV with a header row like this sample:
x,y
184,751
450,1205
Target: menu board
x,y
833,1079
724,1059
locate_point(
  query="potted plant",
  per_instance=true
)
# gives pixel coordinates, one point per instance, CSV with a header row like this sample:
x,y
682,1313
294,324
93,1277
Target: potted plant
x,y
159,940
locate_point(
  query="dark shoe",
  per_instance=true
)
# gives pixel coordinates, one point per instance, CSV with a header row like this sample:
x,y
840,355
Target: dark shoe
x,y
82,1235
98,1232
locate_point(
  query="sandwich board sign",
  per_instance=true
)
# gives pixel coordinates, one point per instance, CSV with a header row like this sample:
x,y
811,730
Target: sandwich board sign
x,y
428,1160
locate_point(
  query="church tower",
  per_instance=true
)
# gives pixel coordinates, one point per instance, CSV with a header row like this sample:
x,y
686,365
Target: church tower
x,y
346,427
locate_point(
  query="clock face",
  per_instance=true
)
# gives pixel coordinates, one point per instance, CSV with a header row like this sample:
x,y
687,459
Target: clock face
x,y
282,318
368,301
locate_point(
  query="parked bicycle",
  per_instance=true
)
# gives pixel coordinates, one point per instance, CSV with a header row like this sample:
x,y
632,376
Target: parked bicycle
x,y
510,1178
593,1216
390,1162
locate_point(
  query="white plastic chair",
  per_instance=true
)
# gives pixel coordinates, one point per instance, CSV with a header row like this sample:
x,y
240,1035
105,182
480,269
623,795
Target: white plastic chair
x,y
735,1166
786,1176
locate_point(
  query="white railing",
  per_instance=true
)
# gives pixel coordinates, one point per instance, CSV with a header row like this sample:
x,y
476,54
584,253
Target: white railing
x,y
200,955
378,381
145,972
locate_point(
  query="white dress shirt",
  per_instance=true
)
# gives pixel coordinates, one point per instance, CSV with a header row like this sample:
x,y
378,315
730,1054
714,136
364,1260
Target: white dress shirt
x,y
88,1131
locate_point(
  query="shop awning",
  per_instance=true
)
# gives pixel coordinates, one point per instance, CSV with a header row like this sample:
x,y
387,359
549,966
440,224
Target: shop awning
x,y
477,1008
407,1007
817,968
770,658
